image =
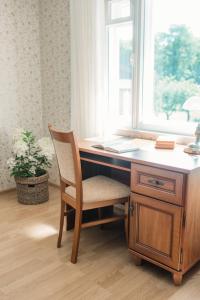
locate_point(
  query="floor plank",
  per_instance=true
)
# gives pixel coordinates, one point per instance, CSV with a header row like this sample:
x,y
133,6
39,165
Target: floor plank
x,y
31,267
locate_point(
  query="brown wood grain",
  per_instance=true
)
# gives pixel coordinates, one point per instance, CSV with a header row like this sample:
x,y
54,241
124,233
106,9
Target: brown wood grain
x,y
167,207
169,187
155,230
175,160
191,242
77,202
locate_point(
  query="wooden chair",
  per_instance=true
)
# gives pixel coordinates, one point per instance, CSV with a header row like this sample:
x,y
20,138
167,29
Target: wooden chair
x,y
95,192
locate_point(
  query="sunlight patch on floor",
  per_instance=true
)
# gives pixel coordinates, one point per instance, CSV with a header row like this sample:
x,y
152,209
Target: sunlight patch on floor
x,y
40,231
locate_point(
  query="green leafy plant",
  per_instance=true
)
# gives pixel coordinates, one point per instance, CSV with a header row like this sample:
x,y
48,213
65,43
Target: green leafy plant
x,y
30,158
177,69
170,95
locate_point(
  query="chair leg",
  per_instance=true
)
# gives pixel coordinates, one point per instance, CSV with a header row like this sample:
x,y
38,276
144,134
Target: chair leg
x,y
62,215
76,237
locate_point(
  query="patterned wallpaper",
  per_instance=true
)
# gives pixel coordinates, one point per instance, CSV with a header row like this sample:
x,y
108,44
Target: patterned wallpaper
x,y
55,66
34,71
20,80
55,61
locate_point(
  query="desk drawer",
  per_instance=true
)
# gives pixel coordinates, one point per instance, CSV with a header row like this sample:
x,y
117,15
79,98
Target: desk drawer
x,y
157,183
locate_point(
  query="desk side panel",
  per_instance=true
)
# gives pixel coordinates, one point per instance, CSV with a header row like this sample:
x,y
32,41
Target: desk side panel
x,y
191,237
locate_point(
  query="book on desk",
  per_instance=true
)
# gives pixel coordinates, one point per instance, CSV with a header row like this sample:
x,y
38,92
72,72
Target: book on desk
x,y
118,146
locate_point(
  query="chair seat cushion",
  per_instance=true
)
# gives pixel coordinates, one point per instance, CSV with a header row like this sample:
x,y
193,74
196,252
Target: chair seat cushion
x,y
100,188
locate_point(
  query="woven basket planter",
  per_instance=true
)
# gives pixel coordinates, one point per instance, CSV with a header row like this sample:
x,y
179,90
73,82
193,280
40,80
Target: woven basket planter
x,y
32,190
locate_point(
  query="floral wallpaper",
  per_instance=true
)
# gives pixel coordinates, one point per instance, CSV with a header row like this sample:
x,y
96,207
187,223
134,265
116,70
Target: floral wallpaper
x,y
34,71
55,66
55,61
20,80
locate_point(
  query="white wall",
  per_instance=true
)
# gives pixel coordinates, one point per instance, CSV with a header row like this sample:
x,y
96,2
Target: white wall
x,y
34,71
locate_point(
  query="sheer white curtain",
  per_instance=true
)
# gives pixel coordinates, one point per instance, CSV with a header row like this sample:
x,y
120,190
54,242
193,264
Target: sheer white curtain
x,y
88,101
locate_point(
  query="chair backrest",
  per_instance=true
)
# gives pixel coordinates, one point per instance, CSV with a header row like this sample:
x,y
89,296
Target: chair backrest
x,y
68,158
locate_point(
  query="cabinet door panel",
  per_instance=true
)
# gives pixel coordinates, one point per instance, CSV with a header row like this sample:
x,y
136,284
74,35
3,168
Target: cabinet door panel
x,y
155,230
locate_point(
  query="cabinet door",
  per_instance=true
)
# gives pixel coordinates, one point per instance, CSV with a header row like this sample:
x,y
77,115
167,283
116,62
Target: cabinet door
x,y
155,229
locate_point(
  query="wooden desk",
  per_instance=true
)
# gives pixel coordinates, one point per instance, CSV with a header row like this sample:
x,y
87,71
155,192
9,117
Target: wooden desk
x,y
164,207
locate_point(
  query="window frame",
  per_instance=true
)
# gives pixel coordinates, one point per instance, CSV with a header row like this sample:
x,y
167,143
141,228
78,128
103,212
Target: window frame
x,y
109,21
140,10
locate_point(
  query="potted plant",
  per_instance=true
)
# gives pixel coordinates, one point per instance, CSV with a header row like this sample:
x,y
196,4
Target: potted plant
x,y
28,164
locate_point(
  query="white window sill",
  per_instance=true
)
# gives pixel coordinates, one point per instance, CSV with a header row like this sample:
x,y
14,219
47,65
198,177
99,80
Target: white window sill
x,y
152,135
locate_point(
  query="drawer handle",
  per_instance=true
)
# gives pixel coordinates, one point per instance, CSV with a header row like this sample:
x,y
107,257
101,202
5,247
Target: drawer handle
x,y
156,182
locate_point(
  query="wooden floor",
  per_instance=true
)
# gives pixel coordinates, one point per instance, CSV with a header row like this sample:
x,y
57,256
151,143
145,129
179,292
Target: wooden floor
x,y
31,267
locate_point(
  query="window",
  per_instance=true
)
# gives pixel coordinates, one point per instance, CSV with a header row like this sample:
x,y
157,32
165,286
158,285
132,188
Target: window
x,y
120,61
153,63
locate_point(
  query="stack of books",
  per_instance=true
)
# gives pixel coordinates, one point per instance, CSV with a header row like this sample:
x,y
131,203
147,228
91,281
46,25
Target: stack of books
x,y
165,142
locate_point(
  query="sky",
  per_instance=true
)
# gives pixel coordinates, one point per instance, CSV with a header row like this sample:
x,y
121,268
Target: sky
x,y
177,12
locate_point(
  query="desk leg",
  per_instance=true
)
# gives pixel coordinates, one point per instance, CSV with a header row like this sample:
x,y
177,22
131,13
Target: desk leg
x,y
177,278
137,260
